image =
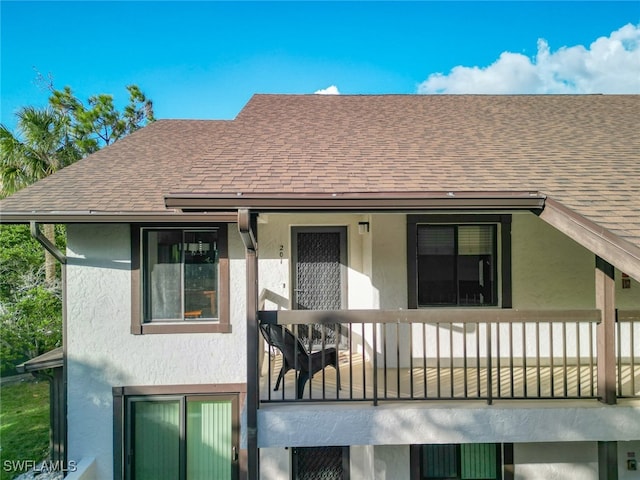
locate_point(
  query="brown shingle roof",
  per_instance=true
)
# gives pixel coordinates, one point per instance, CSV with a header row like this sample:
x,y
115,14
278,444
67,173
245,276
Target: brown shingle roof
x,y
582,150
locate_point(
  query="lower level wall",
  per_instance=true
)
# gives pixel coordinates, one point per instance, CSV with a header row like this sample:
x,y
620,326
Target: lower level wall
x,y
532,461
629,458
556,461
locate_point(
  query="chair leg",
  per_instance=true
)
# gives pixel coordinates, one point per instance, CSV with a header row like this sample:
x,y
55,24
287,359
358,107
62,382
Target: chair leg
x,y
302,380
338,375
280,378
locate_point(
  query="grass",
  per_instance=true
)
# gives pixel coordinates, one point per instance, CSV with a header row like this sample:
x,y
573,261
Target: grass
x,y
24,425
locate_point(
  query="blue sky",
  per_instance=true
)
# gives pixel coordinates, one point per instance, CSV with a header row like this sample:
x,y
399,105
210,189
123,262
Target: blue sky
x,y
205,59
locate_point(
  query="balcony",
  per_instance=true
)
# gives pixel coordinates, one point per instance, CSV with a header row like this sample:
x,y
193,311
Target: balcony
x,y
452,354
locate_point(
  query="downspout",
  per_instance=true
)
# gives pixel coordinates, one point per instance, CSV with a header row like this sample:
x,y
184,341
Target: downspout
x,y
246,227
46,243
60,257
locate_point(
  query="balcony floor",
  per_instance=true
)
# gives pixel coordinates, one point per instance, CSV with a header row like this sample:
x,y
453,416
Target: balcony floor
x,y
357,382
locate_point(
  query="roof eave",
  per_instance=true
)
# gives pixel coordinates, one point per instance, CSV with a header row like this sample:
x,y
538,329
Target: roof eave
x,y
354,202
51,359
174,216
615,250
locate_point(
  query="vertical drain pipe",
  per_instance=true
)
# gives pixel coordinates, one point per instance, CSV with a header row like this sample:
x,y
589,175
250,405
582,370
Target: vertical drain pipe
x,y
46,243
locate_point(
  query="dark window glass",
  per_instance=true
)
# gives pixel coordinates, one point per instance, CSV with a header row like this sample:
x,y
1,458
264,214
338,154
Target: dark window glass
x,y
456,265
180,275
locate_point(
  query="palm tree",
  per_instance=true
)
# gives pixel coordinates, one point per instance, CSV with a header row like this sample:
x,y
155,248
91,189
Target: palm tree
x,y
40,147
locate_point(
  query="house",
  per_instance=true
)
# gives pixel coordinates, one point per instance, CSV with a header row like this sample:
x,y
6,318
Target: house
x,y
470,263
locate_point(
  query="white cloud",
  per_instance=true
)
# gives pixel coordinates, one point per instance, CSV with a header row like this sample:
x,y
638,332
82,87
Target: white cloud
x,y
610,65
332,90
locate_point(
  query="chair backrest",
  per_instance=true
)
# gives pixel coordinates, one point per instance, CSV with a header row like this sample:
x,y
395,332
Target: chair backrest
x,y
285,341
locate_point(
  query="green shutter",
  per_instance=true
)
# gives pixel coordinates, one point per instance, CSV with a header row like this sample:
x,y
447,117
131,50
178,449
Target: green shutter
x,y
156,442
209,439
478,461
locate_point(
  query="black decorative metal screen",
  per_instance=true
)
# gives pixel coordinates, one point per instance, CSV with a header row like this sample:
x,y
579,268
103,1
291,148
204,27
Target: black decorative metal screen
x,y
319,282
318,276
320,463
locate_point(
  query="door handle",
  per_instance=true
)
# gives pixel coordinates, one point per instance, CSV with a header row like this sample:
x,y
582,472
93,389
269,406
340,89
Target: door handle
x,y
234,454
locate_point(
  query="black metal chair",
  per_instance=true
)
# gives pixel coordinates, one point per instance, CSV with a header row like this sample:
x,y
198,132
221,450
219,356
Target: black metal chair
x,y
296,357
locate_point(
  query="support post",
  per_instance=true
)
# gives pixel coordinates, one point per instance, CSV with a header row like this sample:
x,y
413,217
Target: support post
x,y
605,302
607,460
247,227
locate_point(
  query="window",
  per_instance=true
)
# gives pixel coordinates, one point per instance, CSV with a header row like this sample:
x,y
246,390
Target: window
x,y
456,265
180,280
453,260
176,436
471,461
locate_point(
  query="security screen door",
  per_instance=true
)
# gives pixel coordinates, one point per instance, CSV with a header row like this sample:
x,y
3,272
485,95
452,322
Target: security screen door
x,y
319,273
320,463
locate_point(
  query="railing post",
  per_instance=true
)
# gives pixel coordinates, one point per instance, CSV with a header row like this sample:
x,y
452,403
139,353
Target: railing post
x,y
374,326
605,302
489,366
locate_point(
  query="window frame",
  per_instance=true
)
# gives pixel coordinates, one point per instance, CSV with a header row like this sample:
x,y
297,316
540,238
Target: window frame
x,y
503,257
124,396
138,324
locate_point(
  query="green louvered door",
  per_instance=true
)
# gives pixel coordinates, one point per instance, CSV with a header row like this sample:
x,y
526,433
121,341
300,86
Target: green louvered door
x,y
156,440
209,439
183,438
478,461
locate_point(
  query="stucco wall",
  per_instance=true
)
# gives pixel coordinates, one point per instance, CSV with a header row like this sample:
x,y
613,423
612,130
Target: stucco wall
x,y
556,461
102,353
447,422
628,451
551,270
275,463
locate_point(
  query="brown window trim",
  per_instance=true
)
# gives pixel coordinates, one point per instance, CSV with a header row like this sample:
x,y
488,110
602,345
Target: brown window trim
x,y
120,394
139,327
504,253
